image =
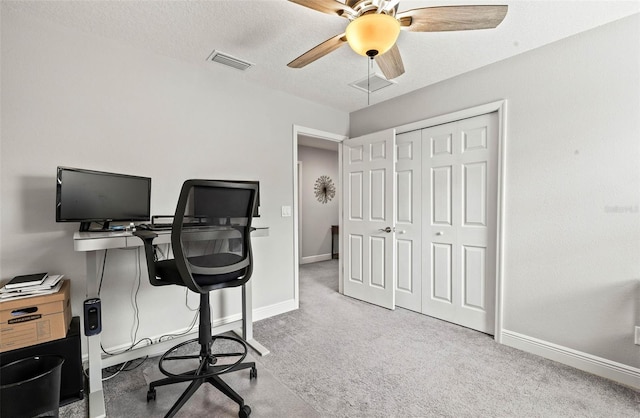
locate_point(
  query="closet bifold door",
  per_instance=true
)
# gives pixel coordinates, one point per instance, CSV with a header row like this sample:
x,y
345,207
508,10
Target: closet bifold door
x,y
459,183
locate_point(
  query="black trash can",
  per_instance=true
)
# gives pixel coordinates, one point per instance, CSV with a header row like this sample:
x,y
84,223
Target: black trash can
x,y
30,387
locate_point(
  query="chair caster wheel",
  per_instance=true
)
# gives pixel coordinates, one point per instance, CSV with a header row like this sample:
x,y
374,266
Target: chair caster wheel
x,y
245,411
253,374
151,395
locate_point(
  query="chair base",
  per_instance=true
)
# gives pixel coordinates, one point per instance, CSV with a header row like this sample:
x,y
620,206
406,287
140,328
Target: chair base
x,y
207,372
216,381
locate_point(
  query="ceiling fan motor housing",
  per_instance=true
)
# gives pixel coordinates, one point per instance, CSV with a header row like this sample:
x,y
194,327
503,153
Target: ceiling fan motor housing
x,y
372,34
380,6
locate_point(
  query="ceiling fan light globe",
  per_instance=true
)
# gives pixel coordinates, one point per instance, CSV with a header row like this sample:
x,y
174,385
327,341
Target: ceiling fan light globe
x,y
373,34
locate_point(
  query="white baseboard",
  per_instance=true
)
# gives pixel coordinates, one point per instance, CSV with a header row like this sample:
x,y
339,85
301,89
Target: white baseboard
x,y
275,309
315,258
219,326
618,372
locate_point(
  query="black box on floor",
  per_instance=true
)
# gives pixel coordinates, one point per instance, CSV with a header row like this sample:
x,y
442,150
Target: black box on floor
x,y
72,382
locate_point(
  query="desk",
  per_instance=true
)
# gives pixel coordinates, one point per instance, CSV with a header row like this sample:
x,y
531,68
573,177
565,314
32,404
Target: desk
x,y
92,243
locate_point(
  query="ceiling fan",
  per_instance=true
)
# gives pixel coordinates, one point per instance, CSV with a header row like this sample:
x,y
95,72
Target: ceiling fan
x,y
375,25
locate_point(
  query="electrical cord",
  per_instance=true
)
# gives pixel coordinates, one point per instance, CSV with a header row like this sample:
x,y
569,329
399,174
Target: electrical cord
x,y
123,368
134,302
126,368
104,379
186,301
131,347
134,299
104,262
188,330
136,323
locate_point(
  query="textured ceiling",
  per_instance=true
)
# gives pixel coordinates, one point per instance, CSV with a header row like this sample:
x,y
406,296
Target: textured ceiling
x,y
270,33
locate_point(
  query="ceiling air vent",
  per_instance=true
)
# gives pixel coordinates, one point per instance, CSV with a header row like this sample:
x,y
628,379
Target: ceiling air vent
x,y
229,61
375,83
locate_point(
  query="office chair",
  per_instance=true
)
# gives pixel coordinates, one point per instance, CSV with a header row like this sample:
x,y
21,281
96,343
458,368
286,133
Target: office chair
x,y
212,251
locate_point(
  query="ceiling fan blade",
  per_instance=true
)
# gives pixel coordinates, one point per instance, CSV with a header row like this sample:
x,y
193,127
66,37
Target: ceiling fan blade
x,y
391,63
326,6
318,51
449,18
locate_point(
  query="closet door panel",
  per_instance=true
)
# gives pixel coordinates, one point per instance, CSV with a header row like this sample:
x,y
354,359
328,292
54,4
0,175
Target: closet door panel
x,y
459,226
408,220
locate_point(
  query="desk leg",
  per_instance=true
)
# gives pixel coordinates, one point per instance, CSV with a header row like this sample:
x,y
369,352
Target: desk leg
x,y
247,320
96,395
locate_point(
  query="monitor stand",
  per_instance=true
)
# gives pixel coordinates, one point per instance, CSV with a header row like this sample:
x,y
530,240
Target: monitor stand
x,y
86,227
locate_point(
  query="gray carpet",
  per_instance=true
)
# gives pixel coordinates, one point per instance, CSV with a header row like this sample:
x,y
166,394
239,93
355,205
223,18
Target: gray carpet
x,y
339,357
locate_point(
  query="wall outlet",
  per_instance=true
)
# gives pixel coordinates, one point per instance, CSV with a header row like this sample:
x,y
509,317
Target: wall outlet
x,y
637,337
286,211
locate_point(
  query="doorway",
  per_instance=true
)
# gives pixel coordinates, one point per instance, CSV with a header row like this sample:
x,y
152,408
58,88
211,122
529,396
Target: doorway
x,y
317,201
312,138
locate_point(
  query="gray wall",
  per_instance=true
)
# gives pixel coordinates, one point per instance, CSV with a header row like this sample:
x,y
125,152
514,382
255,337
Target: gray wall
x,y
74,99
572,239
317,217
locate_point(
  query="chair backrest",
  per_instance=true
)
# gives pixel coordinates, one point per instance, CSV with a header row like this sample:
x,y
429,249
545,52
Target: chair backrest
x,y
211,231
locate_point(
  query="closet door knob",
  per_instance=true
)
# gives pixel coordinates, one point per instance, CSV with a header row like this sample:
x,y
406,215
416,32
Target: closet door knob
x,y
439,233
387,230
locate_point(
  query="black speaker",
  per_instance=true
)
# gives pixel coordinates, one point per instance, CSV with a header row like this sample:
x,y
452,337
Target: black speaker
x,y
92,317
72,383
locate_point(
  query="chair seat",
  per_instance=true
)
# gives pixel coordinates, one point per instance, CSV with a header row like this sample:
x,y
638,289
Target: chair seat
x,y
167,271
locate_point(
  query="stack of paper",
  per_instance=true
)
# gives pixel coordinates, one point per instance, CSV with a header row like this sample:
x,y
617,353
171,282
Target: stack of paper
x,y
17,289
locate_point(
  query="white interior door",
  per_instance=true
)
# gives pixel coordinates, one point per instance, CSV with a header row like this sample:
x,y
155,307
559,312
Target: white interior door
x,y
408,220
368,218
459,182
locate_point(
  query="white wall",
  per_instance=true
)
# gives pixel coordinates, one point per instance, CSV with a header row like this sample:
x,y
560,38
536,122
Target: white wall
x,y
74,99
317,217
572,238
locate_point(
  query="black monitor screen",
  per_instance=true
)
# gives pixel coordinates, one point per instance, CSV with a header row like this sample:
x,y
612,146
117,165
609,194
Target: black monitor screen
x,y
87,195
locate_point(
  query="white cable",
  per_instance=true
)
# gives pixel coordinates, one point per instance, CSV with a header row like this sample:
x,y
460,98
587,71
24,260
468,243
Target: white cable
x,y
104,379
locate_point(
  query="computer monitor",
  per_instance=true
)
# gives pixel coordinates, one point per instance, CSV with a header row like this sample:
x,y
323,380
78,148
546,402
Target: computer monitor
x,y
88,196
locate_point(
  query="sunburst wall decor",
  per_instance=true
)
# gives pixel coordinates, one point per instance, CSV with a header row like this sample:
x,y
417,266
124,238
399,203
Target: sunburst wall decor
x,y
324,189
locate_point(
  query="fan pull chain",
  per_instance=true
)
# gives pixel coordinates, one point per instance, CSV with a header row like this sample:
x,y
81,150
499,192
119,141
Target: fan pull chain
x,y
369,67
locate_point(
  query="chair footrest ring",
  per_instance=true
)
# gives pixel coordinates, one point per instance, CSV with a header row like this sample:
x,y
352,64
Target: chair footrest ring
x,y
208,360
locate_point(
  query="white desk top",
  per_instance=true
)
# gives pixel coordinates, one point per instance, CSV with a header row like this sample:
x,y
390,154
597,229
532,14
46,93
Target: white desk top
x,y
92,241
96,235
